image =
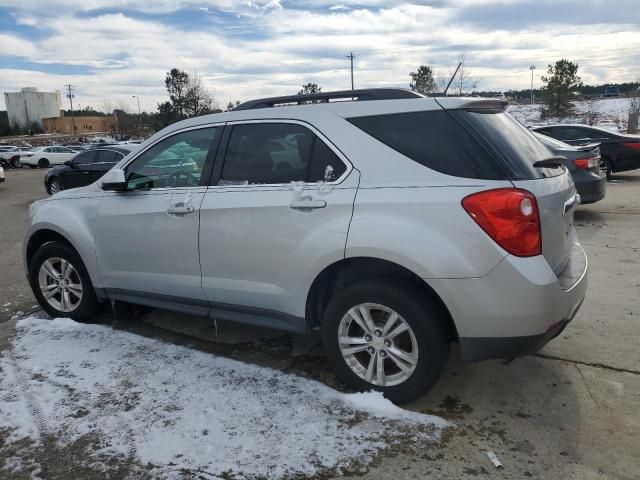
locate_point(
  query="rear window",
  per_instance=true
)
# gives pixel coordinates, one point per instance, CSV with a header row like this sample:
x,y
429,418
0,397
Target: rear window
x,y
516,146
434,139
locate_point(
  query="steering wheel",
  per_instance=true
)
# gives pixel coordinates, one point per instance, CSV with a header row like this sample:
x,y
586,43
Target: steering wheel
x,y
175,179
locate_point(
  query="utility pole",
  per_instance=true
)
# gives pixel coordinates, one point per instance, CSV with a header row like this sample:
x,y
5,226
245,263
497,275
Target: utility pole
x,y
532,68
70,97
351,56
139,113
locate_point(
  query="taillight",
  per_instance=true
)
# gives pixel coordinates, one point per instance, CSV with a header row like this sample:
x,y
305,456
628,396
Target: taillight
x,y
510,217
586,163
633,146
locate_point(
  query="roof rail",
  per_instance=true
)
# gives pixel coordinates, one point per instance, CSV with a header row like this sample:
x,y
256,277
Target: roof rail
x,y
325,97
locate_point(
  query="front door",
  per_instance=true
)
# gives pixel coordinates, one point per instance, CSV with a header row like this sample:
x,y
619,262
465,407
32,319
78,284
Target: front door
x,y
147,237
279,207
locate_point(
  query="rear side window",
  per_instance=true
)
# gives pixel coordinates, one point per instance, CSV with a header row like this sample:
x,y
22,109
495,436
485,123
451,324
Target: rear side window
x,y
434,139
277,153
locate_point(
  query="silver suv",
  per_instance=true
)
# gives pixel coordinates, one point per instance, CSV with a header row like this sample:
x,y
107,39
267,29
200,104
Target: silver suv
x,y
394,223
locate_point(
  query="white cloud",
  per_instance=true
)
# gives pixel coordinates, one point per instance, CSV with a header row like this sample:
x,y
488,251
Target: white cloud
x,y
272,50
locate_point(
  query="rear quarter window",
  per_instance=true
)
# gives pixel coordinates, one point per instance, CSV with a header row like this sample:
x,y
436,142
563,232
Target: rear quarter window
x,y
434,139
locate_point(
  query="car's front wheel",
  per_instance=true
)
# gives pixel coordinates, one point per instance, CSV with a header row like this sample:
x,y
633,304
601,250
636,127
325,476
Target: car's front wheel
x,y
61,283
43,163
54,186
386,337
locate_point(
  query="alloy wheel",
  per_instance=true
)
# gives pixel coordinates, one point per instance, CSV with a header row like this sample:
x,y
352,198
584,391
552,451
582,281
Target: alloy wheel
x,y
377,344
60,284
54,186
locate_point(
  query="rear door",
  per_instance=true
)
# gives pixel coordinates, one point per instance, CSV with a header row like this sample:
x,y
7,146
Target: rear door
x,y
268,220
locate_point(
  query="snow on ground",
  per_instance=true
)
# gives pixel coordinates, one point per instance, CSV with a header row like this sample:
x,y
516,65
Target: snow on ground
x,y
177,408
612,113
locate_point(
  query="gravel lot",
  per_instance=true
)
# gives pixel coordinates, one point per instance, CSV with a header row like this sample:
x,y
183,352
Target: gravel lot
x,y
571,412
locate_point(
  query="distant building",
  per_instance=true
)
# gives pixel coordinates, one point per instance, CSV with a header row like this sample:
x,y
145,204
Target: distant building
x,y
29,105
83,125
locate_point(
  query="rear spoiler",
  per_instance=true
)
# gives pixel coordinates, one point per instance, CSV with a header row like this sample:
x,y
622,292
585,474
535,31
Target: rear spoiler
x,y
588,147
485,105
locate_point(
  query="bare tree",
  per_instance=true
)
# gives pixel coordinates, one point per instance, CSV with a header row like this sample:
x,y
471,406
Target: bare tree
x,y
106,106
199,99
464,82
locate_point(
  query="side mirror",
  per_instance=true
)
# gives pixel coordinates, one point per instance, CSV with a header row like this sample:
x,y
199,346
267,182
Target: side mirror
x,y
114,181
68,163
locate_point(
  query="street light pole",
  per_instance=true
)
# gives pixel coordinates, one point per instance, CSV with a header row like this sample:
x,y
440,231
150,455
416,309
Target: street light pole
x,y
532,68
139,113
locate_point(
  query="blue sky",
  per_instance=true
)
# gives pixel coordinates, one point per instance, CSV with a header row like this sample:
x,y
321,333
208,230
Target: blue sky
x,y
113,49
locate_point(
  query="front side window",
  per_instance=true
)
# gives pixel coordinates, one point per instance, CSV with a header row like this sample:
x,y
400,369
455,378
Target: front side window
x,y
277,153
177,161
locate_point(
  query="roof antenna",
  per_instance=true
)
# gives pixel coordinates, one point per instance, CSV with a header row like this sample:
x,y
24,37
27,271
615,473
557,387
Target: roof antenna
x,y
452,77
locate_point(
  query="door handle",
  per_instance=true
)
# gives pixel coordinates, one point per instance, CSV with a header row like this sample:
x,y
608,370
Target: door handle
x,y
307,203
180,210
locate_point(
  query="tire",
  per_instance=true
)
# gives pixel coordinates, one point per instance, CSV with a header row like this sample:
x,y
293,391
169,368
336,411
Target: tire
x,y
83,307
17,163
54,186
426,331
43,163
605,166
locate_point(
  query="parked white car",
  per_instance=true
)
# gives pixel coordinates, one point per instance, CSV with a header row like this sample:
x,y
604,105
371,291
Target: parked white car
x,y
44,157
1,175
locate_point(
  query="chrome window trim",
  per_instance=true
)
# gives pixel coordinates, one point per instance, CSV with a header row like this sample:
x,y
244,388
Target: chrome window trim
x,y
307,125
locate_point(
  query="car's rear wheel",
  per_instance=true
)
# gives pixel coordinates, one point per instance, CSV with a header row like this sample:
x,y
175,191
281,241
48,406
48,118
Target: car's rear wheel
x,y
54,186
385,337
43,163
61,283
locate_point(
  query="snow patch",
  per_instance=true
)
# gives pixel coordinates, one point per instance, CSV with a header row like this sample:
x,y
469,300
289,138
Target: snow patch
x,y
178,408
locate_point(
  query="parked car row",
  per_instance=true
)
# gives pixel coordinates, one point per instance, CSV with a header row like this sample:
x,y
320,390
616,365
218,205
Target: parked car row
x,y
619,152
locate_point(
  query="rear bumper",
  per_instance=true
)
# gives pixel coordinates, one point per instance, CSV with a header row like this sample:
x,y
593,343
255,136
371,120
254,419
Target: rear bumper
x,y
476,349
592,188
515,309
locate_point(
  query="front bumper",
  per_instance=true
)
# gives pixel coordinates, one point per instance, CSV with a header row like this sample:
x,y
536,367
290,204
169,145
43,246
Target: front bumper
x,y
516,308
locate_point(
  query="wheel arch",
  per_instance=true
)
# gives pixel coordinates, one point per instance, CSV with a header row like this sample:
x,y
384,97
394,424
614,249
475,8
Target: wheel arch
x,y
42,237
350,270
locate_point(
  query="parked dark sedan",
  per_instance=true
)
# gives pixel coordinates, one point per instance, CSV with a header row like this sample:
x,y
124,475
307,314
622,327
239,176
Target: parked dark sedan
x,y
620,152
584,165
85,168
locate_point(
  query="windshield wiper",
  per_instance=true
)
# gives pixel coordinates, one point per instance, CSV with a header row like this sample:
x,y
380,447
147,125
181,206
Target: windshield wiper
x,y
550,162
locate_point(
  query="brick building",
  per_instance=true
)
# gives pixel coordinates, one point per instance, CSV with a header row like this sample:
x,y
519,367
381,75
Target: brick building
x,y
83,125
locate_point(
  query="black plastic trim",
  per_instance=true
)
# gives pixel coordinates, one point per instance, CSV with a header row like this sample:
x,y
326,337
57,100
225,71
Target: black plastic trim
x,y
222,311
475,349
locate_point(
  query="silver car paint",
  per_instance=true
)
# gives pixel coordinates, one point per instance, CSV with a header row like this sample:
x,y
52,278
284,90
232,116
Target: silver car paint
x,y
403,212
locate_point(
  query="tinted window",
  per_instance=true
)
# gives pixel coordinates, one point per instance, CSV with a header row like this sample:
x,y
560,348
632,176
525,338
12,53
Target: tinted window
x,y
176,161
514,144
106,156
273,153
570,133
434,139
325,165
85,158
